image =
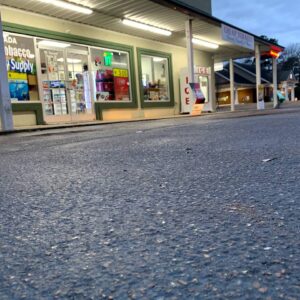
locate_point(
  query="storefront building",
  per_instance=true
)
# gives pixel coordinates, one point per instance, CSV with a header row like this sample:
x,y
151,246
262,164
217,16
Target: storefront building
x,y
67,66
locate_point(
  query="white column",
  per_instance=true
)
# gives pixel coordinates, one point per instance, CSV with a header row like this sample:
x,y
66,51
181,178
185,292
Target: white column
x,y
258,75
189,47
236,96
275,85
293,93
5,103
286,91
232,92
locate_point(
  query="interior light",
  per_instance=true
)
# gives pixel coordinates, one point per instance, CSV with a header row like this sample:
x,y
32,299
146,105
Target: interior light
x,y
119,63
71,60
158,59
53,44
70,6
205,43
146,27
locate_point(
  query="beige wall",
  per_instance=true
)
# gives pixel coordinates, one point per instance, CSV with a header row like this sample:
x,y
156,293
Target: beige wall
x,y
23,119
179,56
204,5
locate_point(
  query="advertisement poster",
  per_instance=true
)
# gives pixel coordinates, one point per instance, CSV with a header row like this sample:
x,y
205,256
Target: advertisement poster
x,y
121,84
199,99
52,64
18,86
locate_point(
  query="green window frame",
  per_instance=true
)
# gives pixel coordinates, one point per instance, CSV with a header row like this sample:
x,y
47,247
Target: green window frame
x,y
155,104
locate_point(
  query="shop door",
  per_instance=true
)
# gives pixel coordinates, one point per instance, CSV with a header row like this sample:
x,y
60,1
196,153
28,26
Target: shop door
x,y
53,83
78,84
66,87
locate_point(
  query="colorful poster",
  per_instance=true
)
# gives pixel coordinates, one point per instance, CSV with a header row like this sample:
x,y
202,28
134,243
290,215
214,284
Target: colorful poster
x,y
18,86
121,84
121,88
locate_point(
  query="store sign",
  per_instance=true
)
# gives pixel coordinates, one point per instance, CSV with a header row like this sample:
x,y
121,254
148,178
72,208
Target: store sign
x,y
205,71
120,72
108,58
20,66
18,58
237,37
12,50
186,92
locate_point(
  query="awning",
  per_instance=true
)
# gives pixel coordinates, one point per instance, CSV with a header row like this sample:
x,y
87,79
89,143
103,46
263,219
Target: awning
x,y
170,15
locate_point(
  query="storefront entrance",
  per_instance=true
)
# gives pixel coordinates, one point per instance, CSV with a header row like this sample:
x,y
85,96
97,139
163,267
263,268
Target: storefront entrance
x,y
65,82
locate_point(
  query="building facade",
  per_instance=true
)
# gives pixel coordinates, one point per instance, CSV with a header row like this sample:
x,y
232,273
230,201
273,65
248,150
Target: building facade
x,y
65,67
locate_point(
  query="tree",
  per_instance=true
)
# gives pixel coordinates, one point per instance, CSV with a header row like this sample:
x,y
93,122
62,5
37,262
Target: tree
x,y
270,40
290,59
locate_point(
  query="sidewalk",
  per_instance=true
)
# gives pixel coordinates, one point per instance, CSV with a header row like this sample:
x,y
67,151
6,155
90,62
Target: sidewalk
x,y
222,113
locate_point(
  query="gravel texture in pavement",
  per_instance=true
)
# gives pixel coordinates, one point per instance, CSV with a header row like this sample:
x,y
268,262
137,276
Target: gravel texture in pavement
x,y
190,208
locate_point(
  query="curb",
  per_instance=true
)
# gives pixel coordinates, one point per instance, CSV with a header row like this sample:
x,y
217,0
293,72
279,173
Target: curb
x,y
215,115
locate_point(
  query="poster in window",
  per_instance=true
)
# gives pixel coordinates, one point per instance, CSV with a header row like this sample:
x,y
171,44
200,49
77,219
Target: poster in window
x,y
121,84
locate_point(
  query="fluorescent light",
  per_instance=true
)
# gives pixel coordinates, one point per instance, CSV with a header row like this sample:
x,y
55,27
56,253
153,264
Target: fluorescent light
x,y
218,67
70,6
71,60
146,27
205,43
120,63
158,59
53,44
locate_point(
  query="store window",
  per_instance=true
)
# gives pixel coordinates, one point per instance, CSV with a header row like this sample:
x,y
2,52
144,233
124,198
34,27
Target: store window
x,y
111,75
21,67
155,78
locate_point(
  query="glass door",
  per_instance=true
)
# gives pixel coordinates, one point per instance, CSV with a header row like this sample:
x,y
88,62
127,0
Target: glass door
x,y
78,83
53,82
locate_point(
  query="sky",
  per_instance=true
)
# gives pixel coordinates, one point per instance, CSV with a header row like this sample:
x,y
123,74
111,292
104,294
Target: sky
x,y
274,18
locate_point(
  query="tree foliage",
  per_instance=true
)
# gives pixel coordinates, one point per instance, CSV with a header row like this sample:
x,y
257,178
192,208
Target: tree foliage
x,y
270,40
290,58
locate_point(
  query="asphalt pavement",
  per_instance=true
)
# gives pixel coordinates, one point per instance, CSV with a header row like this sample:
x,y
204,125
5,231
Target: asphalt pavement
x,y
188,208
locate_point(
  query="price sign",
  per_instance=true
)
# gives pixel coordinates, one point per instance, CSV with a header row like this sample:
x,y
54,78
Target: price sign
x,y
120,73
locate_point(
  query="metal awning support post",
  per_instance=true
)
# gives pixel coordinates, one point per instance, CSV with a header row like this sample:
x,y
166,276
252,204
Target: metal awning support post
x,y
259,96
275,85
5,103
190,52
232,92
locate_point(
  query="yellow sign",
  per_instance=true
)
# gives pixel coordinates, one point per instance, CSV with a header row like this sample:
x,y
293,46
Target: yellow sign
x,y
17,76
120,72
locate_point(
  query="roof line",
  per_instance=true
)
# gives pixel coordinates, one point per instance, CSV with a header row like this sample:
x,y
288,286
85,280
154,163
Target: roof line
x,y
195,12
221,75
249,72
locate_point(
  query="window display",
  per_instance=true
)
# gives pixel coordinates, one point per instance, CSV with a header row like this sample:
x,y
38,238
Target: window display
x,y
155,78
78,82
21,67
111,75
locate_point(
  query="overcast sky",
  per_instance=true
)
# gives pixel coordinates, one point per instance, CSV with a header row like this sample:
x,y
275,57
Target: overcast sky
x,y
274,18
